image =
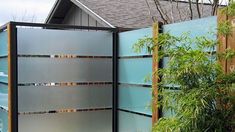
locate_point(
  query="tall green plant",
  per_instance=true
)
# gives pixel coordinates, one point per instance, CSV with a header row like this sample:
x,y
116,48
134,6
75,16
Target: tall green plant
x,y
204,100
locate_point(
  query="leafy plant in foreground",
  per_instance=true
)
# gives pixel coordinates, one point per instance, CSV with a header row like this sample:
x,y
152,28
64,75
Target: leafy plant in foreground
x,y
204,101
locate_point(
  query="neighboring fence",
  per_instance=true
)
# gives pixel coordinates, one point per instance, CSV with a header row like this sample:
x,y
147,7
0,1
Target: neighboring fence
x,y
201,27
134,94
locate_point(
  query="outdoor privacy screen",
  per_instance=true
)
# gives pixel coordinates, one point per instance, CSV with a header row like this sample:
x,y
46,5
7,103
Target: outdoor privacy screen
x,y
56,78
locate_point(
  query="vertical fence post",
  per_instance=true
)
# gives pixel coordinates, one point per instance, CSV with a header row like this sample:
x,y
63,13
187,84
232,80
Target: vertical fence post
x,y
115,81
155,77
222,40
12,78
231,44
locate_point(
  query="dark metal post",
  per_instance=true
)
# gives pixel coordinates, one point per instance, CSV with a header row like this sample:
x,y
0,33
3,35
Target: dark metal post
x,y
115,81
12,78
160,63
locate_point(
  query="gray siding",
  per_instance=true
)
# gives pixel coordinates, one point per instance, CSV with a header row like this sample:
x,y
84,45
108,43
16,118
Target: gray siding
x,y
76,16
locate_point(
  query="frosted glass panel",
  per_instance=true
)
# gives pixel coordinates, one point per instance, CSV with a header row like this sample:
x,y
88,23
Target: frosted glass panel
x,y
129,122
3,96
42,98
127,39
64,70
134,71
3,43
3,88
3,121
98,121
3,70
46,42
200,27
168,112
59,70
4,100
137,99
3,65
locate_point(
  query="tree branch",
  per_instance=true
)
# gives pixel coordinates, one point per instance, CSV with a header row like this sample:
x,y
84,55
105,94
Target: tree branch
x,y
172,13
164,16
190,8
198,9
177,7
150,12
214,7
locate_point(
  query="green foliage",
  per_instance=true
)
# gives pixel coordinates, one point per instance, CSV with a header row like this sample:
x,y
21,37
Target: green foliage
x,y
225,28
229,10
145,42
228,54
204,101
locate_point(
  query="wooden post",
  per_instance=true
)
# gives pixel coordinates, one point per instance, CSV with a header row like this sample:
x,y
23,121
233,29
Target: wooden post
x,y
222,39
226,42
155,77
231,45
12,79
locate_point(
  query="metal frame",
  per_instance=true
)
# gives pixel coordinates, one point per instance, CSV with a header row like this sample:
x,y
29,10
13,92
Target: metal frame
x,y
160,65
13,60
13,68
12,78
61,27
115,81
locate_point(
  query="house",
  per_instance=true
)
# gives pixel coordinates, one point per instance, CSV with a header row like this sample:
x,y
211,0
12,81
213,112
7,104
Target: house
x,y
119,13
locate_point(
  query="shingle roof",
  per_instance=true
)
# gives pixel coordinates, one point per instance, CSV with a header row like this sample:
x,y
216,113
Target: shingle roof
x,y
135,13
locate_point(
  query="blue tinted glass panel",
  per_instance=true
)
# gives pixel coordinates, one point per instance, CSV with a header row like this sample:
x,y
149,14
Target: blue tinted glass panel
x,y
3,121
3,43
200,27
134,71
3,88
3,70
129,122
127,39
3,96
136,99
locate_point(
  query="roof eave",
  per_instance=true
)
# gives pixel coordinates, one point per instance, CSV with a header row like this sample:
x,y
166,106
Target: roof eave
x,y
92,13
52,11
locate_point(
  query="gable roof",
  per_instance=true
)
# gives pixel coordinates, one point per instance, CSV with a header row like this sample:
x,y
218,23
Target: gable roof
x,y
125,13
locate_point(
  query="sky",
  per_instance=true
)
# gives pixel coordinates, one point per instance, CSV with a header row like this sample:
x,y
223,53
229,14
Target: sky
x,y
24,10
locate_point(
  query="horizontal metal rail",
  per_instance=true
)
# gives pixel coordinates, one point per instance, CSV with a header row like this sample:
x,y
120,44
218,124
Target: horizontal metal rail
x,y
64,111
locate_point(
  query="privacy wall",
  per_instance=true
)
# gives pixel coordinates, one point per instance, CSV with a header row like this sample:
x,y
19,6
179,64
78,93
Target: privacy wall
x,y
134,93
64,76
64,80
201,27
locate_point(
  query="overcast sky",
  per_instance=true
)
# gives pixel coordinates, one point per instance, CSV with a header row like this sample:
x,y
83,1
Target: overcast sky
x,y
24,10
